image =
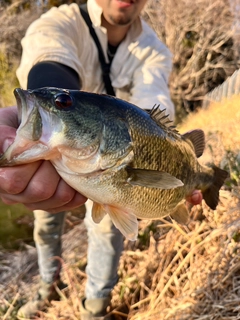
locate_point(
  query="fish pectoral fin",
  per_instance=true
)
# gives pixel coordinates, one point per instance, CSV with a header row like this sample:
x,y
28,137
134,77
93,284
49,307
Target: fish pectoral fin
x,y
180,214
98,212
124,221
197,139
152,179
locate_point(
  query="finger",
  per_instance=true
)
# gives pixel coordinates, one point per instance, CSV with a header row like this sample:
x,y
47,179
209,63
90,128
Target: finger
x,y
9,117
44,183
7,136
41,186
77,201
14,180
195,198
64,194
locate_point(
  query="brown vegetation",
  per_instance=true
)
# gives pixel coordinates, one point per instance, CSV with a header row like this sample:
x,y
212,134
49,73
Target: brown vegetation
x,y
200,34
203,41
15,17
171,271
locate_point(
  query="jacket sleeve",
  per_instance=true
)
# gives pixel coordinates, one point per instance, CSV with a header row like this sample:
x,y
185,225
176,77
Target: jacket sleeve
x,y
53,74
150,81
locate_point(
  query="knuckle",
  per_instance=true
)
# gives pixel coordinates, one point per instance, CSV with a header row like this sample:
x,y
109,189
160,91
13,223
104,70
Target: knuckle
x,y
14,186
44,194
41,191
67,196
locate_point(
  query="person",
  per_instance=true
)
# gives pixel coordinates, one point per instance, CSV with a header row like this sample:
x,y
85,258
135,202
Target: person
x,y
59,52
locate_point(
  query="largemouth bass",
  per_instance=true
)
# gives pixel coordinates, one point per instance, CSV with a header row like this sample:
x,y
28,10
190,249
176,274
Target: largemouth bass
x,y
130,163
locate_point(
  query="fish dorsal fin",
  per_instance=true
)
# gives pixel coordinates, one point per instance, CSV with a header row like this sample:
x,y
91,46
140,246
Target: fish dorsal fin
x,y
163,121
197,139
126,222
98,212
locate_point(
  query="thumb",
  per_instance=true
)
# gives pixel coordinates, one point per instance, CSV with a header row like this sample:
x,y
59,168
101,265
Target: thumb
x,y
7,136
6,143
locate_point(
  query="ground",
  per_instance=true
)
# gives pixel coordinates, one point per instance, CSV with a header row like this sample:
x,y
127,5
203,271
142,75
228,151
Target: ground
x,y
171,271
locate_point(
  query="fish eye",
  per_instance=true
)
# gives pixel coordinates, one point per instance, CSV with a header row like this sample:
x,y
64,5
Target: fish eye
x,y
63,101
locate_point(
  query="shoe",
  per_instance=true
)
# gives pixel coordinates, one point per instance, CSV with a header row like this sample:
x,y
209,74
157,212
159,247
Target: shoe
x,y
95,309
45,294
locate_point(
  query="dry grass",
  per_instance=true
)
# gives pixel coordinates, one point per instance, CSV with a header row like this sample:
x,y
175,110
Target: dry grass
x,y
14,19
202,38
171,271
200,34
221,123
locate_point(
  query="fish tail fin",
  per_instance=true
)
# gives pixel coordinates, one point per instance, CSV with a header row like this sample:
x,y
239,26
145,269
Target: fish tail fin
x,y
211,194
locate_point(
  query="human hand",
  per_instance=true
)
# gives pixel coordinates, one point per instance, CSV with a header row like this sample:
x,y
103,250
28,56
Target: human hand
x,y
195,197
37,185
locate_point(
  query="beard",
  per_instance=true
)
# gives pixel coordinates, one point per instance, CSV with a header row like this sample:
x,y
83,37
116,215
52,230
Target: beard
x,y
120,21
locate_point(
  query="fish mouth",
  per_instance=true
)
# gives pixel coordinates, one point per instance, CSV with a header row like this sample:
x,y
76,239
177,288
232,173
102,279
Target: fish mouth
x,y
20,96
27,146
29,117
21,102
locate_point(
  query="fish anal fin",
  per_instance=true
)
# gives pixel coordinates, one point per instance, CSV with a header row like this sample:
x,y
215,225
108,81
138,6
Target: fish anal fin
x,y
124,221
180,214
152,179
197,139
98,212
